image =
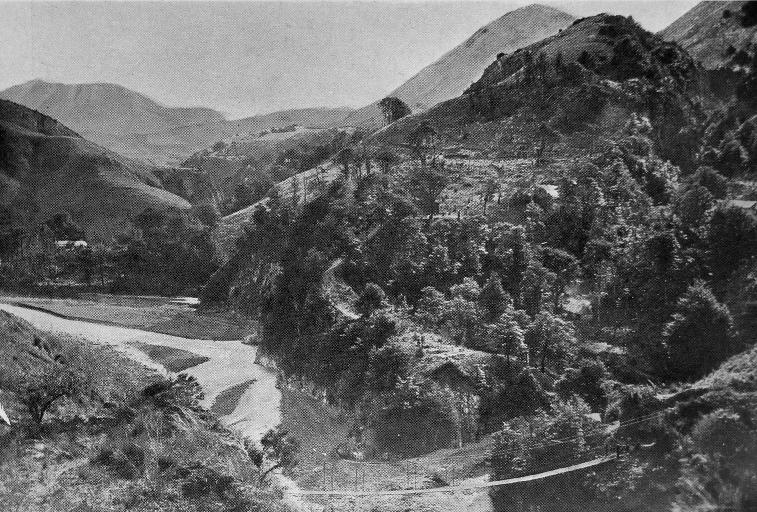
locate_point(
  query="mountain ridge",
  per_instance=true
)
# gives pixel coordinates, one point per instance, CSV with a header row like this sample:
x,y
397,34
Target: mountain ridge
x,y
47,168
452,73
136,126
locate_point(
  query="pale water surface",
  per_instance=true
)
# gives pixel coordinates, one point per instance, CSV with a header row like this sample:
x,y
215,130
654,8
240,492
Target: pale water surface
x,y
231,363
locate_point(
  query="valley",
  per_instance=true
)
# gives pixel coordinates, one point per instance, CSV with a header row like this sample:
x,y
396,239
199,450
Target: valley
x,y
524,280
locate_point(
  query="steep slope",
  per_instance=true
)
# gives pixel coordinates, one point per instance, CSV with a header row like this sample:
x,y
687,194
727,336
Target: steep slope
x,y
710,28
449,76
46,168
136,126
566,92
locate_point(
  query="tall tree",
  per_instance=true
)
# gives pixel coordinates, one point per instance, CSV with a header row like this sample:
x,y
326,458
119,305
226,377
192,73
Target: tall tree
x,y
422,141
732,239
494,299
698,336
426,185
393,109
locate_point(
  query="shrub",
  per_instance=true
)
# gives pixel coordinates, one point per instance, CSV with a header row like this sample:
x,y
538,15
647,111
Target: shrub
x,y
372,299
698,336
585,381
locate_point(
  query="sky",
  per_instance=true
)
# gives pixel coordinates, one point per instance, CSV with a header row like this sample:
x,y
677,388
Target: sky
x,y
244,58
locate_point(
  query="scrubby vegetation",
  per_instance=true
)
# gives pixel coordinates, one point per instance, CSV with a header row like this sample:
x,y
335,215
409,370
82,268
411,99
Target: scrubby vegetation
x,y
95,431
524,262
561,262
162,253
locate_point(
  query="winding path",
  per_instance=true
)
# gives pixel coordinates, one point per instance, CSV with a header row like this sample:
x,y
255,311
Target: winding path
x,y
230,363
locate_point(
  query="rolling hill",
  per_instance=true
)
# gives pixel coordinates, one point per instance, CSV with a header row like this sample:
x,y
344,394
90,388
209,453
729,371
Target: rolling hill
x,y
47,168
449,76
104,107
710,28
136,126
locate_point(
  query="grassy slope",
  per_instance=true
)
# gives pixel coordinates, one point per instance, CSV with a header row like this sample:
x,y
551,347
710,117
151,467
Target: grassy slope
x,y
139,456
510,129
231,227
451,74
706,34
58,171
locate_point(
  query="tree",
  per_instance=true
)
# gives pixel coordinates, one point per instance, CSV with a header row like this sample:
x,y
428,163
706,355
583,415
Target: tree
x,y
565,267
386,366
150,220
544,441
547,136
279,450
207,213
488,190
468,289
85,262
698,336
732,239
39,388
720,471
422,141
508,338
64,228
439,268
430,307
426,185
372,299
385,159
713,181
393,109
494,299
536,286
585,381
550,338
11,232
417,416
344,158
462,318
693,206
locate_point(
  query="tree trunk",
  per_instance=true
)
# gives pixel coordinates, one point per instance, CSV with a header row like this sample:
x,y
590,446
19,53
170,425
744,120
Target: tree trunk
x,y
544,355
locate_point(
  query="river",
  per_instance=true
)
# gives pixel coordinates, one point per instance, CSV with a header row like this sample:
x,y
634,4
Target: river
x,y
230,363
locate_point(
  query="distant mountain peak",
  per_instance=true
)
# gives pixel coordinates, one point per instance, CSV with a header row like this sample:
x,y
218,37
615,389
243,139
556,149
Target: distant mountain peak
x,y
104,107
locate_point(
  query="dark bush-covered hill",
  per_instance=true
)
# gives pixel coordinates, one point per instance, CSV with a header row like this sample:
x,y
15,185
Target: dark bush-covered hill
x,y
569,91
